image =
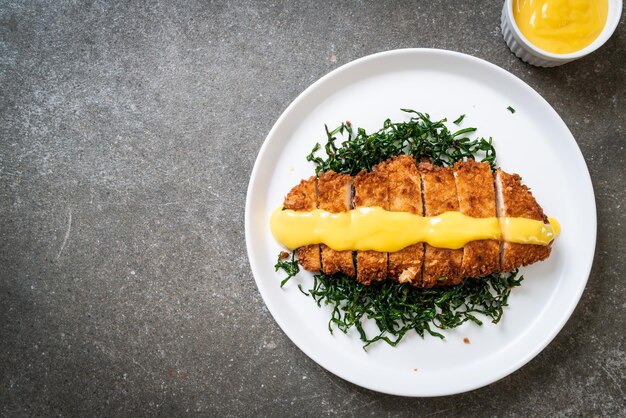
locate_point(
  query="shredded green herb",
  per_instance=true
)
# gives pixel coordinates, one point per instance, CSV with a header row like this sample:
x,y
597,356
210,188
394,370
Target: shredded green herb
x,y
399,308
290,267
419,137
511,109
458,120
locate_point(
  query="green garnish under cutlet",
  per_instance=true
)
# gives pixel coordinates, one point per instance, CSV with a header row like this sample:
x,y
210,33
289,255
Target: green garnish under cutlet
x,y
399,308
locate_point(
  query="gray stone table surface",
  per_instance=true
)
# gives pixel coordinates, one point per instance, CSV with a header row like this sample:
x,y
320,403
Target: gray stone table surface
x,y
128,132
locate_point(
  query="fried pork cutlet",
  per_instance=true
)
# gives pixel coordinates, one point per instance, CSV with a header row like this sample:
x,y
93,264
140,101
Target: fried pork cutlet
x,y
303,198
335,195
477,198
516,200
399,185
441,265
370,189
405,195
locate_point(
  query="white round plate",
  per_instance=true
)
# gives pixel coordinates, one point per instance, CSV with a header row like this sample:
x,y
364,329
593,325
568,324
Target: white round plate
x,y
533,142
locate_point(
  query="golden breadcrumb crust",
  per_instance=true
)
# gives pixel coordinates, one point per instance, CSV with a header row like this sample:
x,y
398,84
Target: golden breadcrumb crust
x,y
370,189
518,202
334,195
303,198
477,198
441,265
405,195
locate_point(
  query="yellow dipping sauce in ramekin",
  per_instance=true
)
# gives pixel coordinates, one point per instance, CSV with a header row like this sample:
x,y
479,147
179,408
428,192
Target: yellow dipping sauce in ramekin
x,y
560,26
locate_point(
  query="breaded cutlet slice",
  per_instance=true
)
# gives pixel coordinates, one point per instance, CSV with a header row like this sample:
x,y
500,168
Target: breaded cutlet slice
x,y
515,200
303,198
405,195
441,265
477,198
370,189
334,193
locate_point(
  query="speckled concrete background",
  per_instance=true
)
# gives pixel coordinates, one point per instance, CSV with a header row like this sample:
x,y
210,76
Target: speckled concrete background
x,y
128,133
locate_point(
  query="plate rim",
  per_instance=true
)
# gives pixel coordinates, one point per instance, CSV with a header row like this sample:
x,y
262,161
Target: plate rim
x,y
572,303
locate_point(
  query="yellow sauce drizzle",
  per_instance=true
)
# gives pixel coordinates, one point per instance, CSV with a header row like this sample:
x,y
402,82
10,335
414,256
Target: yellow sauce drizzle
x,y
373,228
561,26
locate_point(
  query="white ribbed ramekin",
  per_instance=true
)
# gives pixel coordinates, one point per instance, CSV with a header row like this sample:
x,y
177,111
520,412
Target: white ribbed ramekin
x,y
528,52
